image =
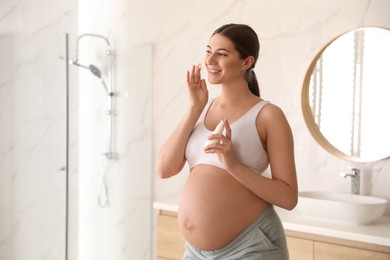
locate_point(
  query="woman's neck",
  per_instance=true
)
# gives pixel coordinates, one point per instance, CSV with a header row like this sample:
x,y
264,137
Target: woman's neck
x,y
234,94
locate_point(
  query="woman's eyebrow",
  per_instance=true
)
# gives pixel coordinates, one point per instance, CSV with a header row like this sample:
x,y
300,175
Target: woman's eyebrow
x,y
220,49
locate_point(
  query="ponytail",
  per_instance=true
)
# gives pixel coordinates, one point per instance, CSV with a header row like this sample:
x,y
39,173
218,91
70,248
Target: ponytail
x,y
252,82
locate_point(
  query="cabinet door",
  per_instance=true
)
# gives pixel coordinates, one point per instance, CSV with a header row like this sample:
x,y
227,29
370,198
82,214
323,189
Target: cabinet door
x,y
300,249
325,251
170,244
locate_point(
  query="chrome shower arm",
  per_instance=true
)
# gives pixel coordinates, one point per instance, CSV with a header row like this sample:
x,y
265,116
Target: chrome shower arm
x,y
109,48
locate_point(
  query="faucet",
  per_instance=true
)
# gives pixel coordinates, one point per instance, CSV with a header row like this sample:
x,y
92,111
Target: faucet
x,y
355,179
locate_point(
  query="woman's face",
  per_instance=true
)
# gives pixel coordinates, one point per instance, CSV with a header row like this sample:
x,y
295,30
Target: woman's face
x,y
223,61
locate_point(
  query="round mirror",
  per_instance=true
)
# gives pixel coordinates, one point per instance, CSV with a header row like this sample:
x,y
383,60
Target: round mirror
x,y
346,95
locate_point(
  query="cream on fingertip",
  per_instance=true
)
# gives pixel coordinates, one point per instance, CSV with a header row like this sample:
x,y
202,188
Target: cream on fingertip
x,y
218,130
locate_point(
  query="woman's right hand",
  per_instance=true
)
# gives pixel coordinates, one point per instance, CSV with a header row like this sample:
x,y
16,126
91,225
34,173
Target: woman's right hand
x,y
171,158
197,87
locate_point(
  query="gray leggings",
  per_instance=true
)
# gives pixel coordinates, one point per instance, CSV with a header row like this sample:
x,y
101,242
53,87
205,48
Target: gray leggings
x,y
264,239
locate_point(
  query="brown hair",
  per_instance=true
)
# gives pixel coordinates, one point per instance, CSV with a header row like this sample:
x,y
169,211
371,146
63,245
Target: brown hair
x,y
247,44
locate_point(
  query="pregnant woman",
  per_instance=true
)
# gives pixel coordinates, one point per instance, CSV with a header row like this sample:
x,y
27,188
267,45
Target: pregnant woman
x,y
226,209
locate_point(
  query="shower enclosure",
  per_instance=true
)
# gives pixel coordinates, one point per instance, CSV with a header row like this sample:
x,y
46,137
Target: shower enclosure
x,y
75,165
64,193
33,147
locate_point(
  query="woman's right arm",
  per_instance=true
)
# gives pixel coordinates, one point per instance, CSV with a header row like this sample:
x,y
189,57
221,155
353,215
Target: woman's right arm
x,y
171,158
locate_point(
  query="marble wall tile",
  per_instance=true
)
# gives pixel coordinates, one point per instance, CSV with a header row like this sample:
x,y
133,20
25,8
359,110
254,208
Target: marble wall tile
x,y
124,227
34,152
32,120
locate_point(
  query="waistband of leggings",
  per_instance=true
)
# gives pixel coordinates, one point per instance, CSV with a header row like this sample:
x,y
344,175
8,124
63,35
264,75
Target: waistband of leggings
x,y
264,215
255,224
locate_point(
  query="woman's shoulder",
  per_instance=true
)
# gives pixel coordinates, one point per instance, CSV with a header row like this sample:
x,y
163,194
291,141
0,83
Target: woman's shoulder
x,y
270,108
271,113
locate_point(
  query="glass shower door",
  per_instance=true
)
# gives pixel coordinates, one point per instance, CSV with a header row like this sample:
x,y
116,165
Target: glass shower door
x,y
32,146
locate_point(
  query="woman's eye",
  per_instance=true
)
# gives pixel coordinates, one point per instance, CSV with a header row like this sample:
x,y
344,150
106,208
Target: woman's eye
x,y
220,54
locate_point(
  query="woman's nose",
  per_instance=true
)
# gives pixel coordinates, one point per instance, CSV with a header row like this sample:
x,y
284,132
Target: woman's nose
x,y
209,59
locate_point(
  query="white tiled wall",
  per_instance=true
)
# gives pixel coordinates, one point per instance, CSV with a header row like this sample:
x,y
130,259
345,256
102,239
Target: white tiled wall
x,y
32,128
122,230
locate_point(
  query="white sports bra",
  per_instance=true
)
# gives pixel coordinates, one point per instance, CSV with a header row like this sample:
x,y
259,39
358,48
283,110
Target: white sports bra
x,y
247,144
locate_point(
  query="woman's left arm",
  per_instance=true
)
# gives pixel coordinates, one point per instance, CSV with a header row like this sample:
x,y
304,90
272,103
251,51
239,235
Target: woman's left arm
x,y
275,132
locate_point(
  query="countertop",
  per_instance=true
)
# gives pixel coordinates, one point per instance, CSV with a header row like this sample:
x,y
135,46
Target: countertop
x,y
376,233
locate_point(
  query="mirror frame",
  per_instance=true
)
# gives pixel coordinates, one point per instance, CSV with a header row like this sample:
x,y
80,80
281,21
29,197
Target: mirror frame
x,y
308,115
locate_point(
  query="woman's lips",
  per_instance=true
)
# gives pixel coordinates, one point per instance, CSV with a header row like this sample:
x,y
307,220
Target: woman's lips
x,y
214,71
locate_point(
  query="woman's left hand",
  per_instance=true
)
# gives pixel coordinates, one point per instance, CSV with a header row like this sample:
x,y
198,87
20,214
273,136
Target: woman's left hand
x,y
223,148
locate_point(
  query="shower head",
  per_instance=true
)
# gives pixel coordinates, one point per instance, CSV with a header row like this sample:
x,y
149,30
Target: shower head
x,y
94,70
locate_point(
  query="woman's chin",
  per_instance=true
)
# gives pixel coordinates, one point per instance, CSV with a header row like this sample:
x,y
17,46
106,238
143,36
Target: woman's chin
x,y
213,81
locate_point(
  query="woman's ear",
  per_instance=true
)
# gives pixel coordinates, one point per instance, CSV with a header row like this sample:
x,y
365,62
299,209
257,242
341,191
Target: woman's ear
x,y
248,62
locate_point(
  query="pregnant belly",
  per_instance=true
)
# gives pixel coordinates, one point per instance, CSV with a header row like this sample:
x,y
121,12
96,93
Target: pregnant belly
x,y
215,208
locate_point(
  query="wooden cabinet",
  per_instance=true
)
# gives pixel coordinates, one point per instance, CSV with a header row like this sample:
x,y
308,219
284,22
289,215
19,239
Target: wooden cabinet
x,y
170,244
300,249
308,246
325,251
302,246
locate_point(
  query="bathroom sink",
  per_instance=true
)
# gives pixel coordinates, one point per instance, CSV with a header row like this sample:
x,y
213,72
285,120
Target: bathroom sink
x,y
341,207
